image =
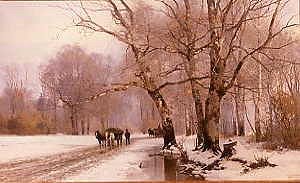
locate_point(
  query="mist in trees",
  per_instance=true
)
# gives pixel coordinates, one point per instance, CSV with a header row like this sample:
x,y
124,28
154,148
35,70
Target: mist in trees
x,y
227,36
71,76
18,111
211,68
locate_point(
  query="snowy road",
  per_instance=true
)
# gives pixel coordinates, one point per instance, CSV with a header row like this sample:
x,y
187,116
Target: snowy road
x,y
132,163
79,164
53,167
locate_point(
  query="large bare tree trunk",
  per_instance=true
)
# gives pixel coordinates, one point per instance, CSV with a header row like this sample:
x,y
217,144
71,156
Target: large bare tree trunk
x,y
211,125
216,88
167,124
190,69
154,93
199,112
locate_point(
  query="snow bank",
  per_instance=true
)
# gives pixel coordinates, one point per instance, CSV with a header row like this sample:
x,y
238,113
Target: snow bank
x,y
288,162
172,151
25,147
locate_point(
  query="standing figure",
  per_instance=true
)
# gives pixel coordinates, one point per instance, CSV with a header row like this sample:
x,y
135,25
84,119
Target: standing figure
x,y
127,136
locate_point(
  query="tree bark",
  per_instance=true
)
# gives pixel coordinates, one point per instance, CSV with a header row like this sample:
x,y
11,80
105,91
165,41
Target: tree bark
x,y
167,124
199,112
216,88
151,88
190,69
211,125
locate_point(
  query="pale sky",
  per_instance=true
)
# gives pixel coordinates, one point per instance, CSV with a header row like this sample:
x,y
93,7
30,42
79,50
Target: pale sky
x,y
29,34
32,32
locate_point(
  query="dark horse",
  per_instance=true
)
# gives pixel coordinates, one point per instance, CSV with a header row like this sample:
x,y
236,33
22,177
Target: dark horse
x,y
155,132
101,138
118,133
150,132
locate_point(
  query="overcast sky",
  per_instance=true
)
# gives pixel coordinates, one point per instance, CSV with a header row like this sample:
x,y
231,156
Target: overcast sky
x,y
31,32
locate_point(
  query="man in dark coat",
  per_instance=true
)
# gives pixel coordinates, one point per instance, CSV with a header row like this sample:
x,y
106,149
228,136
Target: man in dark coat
x,y
127,137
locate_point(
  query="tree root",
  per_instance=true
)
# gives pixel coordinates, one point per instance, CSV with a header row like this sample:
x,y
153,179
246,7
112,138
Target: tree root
x,y
216,150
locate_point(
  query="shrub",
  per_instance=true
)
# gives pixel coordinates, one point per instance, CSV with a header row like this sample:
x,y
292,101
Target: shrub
x,y
15,126
27,124
284,131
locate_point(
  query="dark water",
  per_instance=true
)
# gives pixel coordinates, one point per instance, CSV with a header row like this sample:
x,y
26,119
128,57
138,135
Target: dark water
x,y
161,168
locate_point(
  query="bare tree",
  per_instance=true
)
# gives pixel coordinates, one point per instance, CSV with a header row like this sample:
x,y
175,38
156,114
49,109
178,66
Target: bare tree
x,y
15,90
73,75
133,29
187,36
222,37
223,34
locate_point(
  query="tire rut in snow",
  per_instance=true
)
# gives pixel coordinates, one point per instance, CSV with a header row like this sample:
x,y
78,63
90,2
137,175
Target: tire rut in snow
x,y
51,168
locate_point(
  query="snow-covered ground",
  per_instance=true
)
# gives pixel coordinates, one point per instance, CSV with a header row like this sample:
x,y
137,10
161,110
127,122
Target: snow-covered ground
x,y
27,147
24,147
288,162
129,164
132,163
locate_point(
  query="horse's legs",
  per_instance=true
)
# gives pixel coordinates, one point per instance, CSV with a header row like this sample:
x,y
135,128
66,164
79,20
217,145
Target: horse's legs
x,y
99,141
104,143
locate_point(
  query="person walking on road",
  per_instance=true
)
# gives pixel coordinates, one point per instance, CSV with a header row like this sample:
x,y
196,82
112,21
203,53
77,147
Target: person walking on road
x,y
127,137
